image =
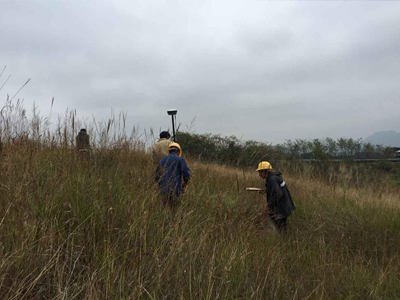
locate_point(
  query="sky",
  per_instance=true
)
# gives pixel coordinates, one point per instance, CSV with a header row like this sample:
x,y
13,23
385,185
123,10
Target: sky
x,y
260,70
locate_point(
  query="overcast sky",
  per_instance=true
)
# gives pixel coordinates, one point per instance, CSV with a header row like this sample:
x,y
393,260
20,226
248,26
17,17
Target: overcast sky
x,y
262,70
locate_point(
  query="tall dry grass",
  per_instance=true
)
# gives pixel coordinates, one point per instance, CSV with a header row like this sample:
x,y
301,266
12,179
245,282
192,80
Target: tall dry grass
x,y
95,229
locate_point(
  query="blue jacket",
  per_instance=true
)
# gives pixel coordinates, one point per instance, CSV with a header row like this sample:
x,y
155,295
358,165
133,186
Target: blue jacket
x,y
170,173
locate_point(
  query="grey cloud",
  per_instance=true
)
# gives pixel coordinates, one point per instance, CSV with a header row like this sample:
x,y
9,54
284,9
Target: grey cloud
x,y
265,71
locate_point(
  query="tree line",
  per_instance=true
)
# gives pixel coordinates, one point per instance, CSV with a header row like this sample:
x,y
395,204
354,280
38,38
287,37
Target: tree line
x,y
233,151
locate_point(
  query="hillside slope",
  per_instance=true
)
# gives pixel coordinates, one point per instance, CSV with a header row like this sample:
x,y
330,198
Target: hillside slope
x,y
95,229
388,138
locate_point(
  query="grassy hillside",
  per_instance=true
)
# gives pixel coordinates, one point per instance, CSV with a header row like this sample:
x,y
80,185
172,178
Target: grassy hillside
x,y
73,229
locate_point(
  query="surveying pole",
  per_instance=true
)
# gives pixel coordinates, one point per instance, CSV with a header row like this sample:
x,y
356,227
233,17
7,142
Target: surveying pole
x,y
172,113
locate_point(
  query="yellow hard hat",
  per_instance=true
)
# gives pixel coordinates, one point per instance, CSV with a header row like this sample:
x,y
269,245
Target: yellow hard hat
x,y
264,165
175,145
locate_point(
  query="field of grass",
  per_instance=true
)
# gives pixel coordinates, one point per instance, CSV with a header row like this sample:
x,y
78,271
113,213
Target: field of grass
x,y
95,229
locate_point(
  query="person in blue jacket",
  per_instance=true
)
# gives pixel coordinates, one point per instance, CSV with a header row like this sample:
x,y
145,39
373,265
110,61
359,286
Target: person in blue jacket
x,y
172,176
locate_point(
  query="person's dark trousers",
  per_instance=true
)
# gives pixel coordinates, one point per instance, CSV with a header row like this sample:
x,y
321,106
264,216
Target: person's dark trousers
x,y
280,224
172,201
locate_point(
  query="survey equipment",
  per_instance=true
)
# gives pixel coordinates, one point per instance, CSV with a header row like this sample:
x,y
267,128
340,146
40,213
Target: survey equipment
x,y
172,113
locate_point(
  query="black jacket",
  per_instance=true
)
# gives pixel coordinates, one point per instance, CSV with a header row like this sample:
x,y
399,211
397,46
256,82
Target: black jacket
x,y
280,203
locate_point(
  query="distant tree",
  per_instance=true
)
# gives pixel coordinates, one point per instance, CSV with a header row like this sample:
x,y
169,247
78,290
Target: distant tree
x,y
342,147
357,147
368,151
332,147
319,150
293,149
388,152
305,147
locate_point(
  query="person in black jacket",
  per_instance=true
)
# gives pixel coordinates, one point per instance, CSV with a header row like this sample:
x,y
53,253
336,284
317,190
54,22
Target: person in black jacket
x,y
279,200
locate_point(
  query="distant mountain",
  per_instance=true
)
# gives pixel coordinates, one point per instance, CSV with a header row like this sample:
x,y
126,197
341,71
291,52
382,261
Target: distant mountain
x,y
385,138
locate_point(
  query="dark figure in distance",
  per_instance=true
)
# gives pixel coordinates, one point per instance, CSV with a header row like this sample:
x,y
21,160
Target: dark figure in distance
x,y
82,140
82,144
172,176
279,200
